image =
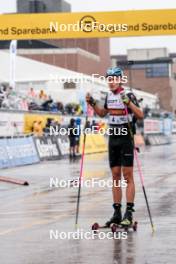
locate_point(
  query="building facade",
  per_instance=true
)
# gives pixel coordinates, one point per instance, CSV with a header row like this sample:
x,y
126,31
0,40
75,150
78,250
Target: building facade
x,y
153,71
87,56
42,6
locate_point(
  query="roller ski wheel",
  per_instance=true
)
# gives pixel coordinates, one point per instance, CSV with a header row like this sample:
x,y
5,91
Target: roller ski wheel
x,y
135,226
113,228
95,227
132,226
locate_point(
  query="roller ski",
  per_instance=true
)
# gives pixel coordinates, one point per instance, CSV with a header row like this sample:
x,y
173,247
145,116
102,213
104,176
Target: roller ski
x,y
72,156
127,222
116,223
114,228
115,220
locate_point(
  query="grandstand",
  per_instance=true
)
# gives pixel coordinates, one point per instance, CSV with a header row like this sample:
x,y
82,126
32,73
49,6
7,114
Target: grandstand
x,y
59,84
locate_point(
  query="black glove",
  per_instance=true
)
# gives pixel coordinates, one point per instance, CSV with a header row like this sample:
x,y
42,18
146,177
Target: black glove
x,y
125,98
90,100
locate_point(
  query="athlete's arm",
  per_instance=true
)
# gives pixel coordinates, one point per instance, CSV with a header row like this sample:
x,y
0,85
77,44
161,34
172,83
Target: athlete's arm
x,y
136,110
99,111
131,101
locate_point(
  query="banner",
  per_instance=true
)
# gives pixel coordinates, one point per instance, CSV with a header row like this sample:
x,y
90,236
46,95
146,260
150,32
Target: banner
x,y
47,148
153,126
163,126
95,143
167,125
63,144
174,127
28,150
11,124
30,119
155,140
4,158
88,25
17,151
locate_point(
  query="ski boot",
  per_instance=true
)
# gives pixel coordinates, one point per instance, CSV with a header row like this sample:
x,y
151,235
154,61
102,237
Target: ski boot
x,y
117,216
128,216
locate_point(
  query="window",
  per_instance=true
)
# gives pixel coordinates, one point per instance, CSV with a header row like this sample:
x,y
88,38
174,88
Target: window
x,y
157,70
138,66
69,85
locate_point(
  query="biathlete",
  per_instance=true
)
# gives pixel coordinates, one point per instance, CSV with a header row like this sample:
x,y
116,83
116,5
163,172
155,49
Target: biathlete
x,y
123,110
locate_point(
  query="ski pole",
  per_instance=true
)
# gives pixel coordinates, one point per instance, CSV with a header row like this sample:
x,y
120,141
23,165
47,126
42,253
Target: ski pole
x,y
80,176
143,188
140,173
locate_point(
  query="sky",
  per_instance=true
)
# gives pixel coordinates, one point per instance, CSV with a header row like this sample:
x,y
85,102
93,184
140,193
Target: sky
x,y
118,45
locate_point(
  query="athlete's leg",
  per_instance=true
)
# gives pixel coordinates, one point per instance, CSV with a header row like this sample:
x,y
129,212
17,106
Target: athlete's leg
x,y
130,194
130,189
116,189
127,162
72,146
115,165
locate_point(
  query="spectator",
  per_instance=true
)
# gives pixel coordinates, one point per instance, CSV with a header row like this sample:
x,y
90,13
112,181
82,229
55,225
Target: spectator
x,y
78,125
94,124
88,125
47,104
60,107
10,91
10,99
146,111
31,93
72,138
48,125
2,94
37,128
24,104
42,95
78,110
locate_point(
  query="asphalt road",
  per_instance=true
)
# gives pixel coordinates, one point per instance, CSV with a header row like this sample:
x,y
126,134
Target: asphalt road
x,y
33,217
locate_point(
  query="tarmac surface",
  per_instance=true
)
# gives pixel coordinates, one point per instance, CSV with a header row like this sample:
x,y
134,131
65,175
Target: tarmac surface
x,y
33,217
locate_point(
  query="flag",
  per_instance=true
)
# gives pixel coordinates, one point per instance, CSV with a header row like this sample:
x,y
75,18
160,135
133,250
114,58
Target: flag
x,y
81,98
13,51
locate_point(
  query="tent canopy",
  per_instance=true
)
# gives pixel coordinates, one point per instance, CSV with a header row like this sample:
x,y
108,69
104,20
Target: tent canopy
x,y
30,70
